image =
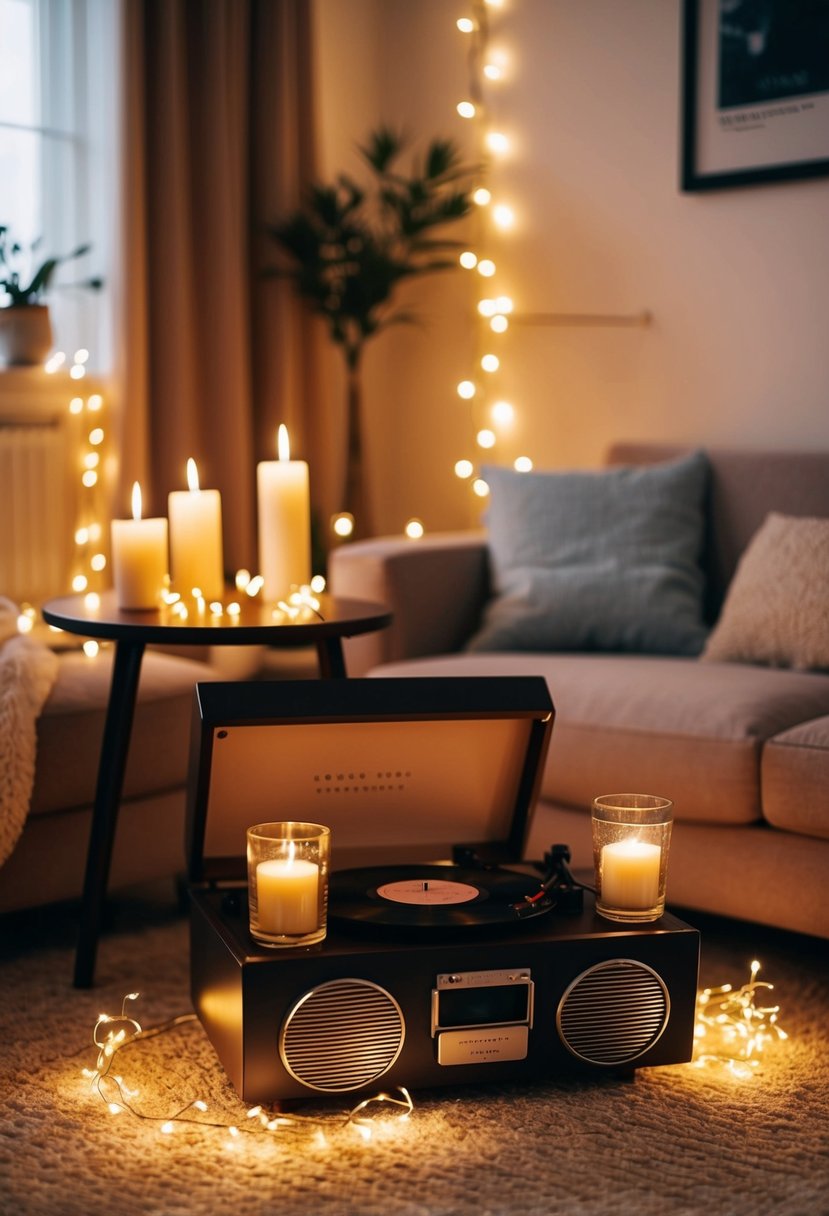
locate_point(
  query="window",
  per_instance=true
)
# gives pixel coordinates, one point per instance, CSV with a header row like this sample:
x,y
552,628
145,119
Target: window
x,y
58,115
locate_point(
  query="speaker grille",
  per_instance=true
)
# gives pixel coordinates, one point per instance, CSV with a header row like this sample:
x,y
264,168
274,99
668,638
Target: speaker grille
x,y
342,1035
613,1012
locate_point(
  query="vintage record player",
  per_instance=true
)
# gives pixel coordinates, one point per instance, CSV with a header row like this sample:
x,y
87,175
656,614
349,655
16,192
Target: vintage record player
x,y
447,960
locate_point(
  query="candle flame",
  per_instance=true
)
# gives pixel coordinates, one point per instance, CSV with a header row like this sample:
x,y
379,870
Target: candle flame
x,y
136,500
283,446
192,474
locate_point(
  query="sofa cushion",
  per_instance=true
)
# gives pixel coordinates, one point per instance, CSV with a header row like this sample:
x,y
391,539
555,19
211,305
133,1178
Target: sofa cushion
x,y
795,779
776,607
690,731
70,729
597,560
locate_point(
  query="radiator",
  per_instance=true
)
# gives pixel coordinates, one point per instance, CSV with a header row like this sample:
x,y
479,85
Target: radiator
x,y
39,505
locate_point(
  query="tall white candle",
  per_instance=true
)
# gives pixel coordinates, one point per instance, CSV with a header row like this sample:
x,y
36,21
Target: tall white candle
x,y
139,557
196,538
284,521
287,895
630,874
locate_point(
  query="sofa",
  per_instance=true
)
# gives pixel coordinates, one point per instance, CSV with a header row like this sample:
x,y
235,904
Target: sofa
x,y
736,734
47,862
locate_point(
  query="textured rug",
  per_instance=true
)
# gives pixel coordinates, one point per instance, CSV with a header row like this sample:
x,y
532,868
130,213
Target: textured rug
x,y
681,1140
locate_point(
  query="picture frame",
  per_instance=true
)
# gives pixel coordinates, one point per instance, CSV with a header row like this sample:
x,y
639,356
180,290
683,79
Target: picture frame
x,y
755,92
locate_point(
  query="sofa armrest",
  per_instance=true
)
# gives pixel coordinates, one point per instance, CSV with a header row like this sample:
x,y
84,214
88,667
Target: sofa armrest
x,y
435,587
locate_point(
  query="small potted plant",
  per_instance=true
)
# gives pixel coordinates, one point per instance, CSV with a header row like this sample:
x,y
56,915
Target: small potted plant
x,y
25,325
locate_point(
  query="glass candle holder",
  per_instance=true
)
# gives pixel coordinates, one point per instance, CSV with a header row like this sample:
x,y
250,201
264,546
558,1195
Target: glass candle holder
x,y
288,866
631,839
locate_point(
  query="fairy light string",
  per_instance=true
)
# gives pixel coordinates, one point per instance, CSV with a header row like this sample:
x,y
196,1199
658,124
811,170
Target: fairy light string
x,y
113,1034
492,417
733,1026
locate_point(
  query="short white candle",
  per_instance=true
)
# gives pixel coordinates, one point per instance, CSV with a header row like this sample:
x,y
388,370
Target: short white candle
x,y
284,521
287,895
630,874
139,557
196,538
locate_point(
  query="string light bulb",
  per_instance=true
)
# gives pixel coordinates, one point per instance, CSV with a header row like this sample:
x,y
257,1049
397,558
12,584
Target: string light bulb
x,y
498,142
343,524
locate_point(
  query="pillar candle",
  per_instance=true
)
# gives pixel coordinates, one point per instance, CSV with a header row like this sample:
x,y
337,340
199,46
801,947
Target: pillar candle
x,y
630,874
287,895
139,557
284,521
196,538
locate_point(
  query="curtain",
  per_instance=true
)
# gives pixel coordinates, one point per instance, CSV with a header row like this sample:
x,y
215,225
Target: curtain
x,y
218,141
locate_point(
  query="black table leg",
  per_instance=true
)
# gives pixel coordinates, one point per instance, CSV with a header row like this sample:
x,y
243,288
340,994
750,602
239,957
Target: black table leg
x,y
126,669
331,659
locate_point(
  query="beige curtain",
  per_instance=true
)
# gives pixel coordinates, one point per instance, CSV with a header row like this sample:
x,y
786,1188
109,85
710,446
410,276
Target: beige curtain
x,y
218,142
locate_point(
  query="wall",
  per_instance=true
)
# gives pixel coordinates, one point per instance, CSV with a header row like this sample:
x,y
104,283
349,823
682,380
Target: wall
x,y
735,280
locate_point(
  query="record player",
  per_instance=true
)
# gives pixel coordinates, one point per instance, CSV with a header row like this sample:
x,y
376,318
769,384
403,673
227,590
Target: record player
x,y
447,960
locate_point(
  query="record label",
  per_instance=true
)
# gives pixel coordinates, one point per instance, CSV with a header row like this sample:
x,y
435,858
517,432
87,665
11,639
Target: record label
x,y
431,892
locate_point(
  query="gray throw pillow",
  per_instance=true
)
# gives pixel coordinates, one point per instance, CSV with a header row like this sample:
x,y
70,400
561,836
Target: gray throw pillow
x,y
606,560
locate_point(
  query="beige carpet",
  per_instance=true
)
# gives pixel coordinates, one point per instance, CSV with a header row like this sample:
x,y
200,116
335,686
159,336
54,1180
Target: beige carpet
x,y
678,1140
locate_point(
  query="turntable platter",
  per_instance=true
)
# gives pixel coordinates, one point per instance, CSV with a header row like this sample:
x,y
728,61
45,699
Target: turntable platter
x,y
430,897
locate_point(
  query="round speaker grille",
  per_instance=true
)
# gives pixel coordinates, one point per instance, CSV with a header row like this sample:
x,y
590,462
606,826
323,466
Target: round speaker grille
x,y
613,1012
342,1035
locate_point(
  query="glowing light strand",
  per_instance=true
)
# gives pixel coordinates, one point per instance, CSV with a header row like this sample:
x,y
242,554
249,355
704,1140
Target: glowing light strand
x,y
492,313
732,1029
116,1095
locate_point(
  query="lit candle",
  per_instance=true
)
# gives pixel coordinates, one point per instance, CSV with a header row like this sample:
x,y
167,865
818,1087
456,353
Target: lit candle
x,y
287,894
196,538
139,557
284,521
630,874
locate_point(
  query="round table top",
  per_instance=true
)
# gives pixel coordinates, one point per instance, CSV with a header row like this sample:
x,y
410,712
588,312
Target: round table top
x,y
256,622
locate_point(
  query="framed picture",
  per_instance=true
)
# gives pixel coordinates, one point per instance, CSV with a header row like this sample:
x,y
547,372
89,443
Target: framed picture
x,y
755,91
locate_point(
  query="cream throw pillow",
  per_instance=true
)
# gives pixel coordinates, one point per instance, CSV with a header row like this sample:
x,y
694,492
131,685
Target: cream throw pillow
x,y
777,607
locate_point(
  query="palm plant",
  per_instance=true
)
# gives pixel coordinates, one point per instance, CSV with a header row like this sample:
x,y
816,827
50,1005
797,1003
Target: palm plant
x,y
349,247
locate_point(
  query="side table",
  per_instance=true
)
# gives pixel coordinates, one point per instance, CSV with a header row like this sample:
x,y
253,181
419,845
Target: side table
x,y
132,631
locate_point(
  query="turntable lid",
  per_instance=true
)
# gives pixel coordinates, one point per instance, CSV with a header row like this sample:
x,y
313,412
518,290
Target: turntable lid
x,y
399,769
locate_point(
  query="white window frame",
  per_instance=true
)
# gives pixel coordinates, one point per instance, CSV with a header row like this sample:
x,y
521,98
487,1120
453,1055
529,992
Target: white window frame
x,y
77,45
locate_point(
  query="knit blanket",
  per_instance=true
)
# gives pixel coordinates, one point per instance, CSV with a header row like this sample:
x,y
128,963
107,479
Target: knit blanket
x,y
27,672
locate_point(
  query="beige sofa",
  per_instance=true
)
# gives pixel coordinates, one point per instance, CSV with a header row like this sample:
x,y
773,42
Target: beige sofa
x,y
49,859
741,748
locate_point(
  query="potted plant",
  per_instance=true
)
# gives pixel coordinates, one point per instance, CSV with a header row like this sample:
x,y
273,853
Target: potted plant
x,y
349,247
25,326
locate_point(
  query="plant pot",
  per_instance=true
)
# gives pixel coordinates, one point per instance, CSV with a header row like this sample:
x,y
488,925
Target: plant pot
x,y
25,335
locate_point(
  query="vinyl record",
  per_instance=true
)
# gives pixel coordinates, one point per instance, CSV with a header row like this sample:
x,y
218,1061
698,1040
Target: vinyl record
x,y
425,898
